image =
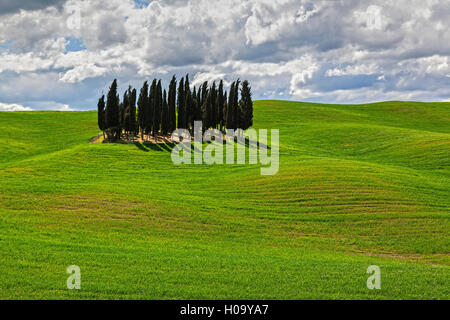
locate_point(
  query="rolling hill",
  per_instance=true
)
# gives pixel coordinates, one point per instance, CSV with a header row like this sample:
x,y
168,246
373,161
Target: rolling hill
x,y
358,185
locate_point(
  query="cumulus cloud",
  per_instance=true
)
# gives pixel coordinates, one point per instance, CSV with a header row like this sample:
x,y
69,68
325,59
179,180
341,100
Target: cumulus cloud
x,y
353,70
201,77
13,107
327,51
8,6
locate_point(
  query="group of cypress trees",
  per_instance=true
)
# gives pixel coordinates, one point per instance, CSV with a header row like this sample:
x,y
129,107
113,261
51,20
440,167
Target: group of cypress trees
x,y
159,113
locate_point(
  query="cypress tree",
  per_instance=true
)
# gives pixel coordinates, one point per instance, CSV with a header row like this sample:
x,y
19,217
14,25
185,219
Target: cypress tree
x,y
236,107
165,123
204,92
206,112
133,125
101,114
196,109
213,106
188,103
246,104
152,126
172,104
199,102
230,108
157,108
224,112
188,109
180,103
112,111
220,105
124,106
142,108
129,111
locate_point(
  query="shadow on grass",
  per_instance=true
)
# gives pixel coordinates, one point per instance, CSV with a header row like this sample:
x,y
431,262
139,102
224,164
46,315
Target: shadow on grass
x,y
253,144
146,147
167,147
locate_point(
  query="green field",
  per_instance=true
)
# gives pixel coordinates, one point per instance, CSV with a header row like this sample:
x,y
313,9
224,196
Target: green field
x,y
358,185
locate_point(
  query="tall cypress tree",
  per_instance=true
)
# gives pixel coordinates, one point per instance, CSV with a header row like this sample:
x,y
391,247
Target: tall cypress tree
x,y
133,125
213,106
230,108
180,104
124,109
220,105
224,112
206,111
188,103
172,104
246,104
101,114
199,101
165,123
157,108
112,111
196,108
236,108
142,108
152,126
188,108
204,92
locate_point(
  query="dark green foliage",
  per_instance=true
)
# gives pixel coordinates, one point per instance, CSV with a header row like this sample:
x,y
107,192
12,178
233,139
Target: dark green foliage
x,y
194,105
129,111
133,124
230,108
152,124
189,109
122,110
219,104
123,106
188,103
199,104
112,112
197,108
206,111
204,92
224,111
180,104
165,123
157,108
246,105
101,113
213,106
236,107
143,108
172,104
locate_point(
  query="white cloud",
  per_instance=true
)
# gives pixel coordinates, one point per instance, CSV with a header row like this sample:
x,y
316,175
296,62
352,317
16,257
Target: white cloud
x,y
13,107
300,48
270,20
372,18
201,77
436,64
82,72
353,70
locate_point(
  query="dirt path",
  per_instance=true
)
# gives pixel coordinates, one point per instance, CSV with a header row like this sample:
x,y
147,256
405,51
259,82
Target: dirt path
x,y
133,140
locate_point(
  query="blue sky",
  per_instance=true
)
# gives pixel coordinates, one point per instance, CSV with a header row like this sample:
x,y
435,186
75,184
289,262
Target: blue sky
x,y
62,54
75,44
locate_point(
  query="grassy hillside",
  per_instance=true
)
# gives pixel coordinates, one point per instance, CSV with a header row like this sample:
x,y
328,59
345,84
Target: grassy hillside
x,y
358,185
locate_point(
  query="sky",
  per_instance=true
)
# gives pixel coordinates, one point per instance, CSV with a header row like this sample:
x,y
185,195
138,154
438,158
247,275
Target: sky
x,y
63,54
